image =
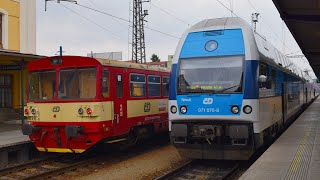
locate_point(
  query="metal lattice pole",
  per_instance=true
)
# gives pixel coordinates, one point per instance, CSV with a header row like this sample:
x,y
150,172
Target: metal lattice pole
x,y
138,39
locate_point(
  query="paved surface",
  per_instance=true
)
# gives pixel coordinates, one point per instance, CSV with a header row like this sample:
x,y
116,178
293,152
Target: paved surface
x,y
12,138
296,154
9,127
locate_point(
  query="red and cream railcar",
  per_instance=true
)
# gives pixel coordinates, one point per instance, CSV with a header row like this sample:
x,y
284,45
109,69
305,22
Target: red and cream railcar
x,y
76,102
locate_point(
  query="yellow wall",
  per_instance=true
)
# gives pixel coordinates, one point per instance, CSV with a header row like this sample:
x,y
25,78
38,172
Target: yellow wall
x,y
16,90
12,7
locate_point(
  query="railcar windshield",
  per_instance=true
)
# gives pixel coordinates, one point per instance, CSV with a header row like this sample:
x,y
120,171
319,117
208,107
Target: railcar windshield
x,y
77,83
42,85
211,75
73,84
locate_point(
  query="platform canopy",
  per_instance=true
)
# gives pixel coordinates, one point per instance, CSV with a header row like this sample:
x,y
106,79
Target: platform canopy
x,y
8,58
303,20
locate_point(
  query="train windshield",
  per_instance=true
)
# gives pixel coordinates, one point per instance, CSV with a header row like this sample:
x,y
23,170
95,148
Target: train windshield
x,y
42,85
77,84
211,75
72,84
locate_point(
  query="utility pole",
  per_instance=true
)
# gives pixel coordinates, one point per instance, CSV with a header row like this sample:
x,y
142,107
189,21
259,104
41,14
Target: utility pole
x,y
254,19
138,40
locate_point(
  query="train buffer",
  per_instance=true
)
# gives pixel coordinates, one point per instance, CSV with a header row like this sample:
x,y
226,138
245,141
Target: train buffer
x,y
295,154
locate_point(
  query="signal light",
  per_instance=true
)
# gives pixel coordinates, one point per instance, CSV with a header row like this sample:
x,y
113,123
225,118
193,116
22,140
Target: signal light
x,y
89,111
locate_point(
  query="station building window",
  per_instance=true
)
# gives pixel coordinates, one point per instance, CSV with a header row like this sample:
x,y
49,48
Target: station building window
x,y
154,86
5,91
137,85
1,30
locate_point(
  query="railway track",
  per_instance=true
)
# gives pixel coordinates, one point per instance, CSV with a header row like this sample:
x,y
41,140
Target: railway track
x,y
64,165
202,170
45,169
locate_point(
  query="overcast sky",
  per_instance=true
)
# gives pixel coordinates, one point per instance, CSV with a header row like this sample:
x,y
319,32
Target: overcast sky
x,y
81,31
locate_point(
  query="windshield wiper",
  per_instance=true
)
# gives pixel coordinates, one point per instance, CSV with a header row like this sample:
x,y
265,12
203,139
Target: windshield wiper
x,y
227,88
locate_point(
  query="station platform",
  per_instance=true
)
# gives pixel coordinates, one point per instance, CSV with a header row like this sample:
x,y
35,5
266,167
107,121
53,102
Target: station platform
x,y
14,146
12,138
295,154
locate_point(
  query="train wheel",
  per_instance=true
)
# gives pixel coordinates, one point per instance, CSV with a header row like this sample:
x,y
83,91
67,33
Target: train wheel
x,y
132,137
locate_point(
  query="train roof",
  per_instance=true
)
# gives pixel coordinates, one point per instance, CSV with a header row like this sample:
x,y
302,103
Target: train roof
x,y
221,23
265,50
126,64
79,61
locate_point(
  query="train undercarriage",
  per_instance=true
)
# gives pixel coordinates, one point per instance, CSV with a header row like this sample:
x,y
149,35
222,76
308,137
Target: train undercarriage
x,y
218,140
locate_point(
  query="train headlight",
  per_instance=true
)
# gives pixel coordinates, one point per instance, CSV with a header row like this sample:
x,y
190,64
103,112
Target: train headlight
x,y
33,111
173,109
247,109
26,112
80,111
235,109
211,46
89,111
183,109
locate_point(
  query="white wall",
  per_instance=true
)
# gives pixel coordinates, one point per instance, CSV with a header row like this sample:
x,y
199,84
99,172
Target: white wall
x,y
28,26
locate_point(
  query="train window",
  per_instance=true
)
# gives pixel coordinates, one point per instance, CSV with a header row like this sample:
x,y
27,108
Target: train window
x,y
42,85
137,85
77,83
154,86
267,88
165,86
119,86
106,84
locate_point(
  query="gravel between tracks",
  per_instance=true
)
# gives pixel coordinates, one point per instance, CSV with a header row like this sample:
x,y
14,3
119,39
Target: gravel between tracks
x,y
148,165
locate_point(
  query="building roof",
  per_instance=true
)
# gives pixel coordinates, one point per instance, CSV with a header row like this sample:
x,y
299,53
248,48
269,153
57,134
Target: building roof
x,y
10,57
127,64
303,21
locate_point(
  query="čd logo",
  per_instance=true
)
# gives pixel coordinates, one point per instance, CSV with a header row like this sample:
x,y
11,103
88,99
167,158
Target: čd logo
x,y
147,107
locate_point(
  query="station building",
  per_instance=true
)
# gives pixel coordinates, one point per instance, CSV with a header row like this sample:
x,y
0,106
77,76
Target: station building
x,y
17,48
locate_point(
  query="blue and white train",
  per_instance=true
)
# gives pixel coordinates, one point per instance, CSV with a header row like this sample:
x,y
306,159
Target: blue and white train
x,y
231,91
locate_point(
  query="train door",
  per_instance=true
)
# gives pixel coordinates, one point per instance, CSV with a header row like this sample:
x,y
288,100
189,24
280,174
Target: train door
x,y
306,94
284,101
120,103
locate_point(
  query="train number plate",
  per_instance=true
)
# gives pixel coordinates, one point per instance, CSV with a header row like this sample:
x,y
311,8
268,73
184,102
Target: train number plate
x,y
208,110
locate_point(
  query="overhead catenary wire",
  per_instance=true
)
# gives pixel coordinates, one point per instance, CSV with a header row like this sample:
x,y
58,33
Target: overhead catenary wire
x,y
229,9
128,21
92,2
181,20
91,21
278,38
269,27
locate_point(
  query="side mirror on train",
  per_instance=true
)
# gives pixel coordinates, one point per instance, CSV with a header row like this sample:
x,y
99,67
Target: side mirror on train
x,y
262,79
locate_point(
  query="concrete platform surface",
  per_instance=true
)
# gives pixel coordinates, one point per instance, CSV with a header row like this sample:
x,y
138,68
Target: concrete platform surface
x,y
12,138
4,126
295,155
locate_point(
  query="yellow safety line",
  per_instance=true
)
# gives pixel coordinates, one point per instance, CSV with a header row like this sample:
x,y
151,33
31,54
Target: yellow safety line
x,y
61,150
118,140
297,158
